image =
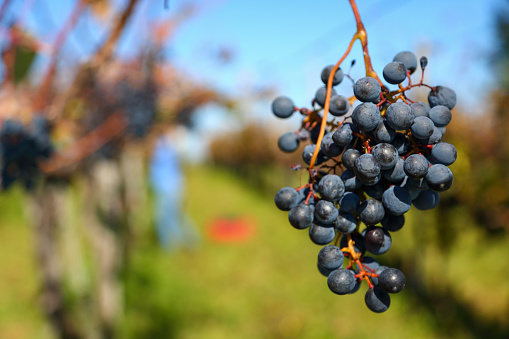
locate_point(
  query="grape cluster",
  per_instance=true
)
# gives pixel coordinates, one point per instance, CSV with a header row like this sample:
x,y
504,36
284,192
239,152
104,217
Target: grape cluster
x,y
21,148
375,161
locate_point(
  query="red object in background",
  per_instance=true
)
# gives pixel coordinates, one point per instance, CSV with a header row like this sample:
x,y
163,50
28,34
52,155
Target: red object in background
x,y
231,230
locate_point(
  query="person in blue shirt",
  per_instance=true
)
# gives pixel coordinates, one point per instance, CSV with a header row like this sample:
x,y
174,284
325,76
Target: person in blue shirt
x,y
167,183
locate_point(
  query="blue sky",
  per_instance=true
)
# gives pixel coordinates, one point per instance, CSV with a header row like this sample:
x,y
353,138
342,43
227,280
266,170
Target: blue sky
x,y
285,44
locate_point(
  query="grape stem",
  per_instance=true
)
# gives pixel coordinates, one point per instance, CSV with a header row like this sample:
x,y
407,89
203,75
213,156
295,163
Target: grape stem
x,y
362,36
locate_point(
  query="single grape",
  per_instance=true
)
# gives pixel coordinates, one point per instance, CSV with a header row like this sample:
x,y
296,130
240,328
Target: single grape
x,y
283,107
395,72
331,187
386,155
349,157
366,166
401,143
323,271
422,127
399,116
349,202
396,200
439,178
343,135
307,155
371,212
321,94
393,223
442,96
392,280
434,138
345,223
444,153
378,270
440,115
321,235
383,132
286,198
288,142
376,191
366,116
420,109
426,200
326,212
408,59
329,147
341,281
338,76
396,174
416,166
377,300
339,105
330,257
377,240
367,89
301,216
352,184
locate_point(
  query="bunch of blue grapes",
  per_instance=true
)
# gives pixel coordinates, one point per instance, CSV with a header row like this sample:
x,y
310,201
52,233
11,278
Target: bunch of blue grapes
x,y
375,161
22,147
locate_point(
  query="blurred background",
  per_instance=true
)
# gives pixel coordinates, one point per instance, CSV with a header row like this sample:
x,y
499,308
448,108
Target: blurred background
x,y
140,161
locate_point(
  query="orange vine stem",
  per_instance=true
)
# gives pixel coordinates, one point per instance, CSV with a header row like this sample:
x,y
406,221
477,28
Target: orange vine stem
x,y
362,36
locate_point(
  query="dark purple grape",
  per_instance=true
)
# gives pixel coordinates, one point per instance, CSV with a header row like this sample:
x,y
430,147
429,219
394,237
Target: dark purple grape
x,y
326,212
331,187
439,178
371,212
422,127
396,174
426,200
377,300
367,89
352,184
283,107
339,105
442,96
393,223
341,281
301,216
396,200
343,136
321,235
416,166
321,94
444,153
420,109
329,147
349,202
330,257
338,76
386,155
286,198
395,72
288,142
392,280
408,59
366,167
345,223
377,240
349,157
440,115
366,116
399,116
383,132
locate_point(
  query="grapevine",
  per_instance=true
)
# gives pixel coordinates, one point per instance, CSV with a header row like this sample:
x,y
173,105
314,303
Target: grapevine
x,y
366,167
